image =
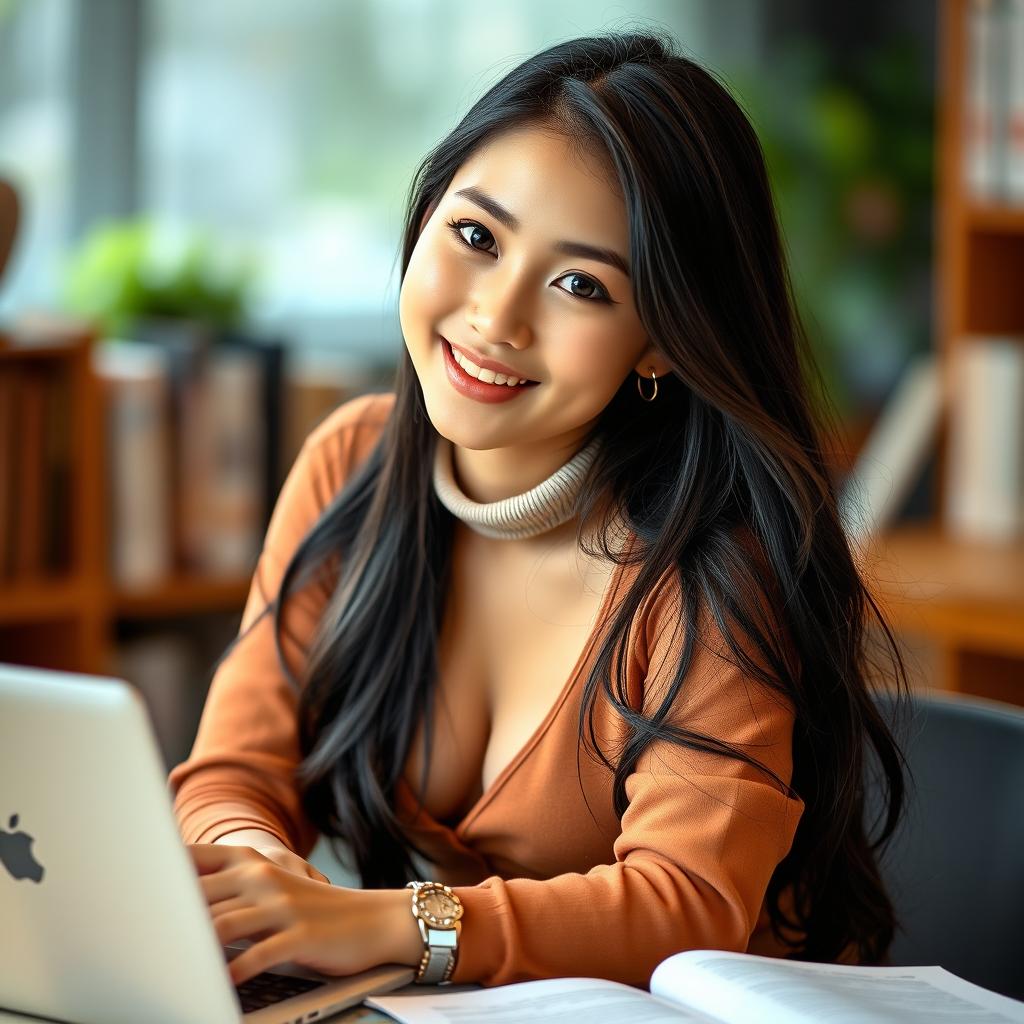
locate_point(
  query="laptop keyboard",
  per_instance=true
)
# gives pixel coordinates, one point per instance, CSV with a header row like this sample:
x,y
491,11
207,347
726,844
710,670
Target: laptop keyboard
x,y
268,988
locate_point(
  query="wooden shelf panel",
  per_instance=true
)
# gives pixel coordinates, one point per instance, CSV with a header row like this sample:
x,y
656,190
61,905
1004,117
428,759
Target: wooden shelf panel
x,y
964,594
995,219
994,301
182,595
27,353
50,600
44,600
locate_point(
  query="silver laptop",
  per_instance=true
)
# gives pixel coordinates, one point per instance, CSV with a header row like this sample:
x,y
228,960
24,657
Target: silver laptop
x,y
102,918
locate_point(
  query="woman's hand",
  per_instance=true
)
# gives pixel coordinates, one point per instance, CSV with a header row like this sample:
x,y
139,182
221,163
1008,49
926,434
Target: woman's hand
x,y
273,849
271,898
291,862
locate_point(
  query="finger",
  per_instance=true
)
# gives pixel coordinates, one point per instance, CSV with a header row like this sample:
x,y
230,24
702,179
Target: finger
x,y
208,857
260,957
227,906
222,885
247,923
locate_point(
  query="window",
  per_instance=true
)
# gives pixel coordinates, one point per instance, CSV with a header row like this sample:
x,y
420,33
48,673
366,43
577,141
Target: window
x,y
288,130
295,129
35,144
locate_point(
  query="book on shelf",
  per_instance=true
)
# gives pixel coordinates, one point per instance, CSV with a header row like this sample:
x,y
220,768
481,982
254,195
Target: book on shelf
x,y
993,122
1015,104
58,458
35,471
8,490
270,405
135,379
184,344
229,462
714,987
894,455
985,481
30,472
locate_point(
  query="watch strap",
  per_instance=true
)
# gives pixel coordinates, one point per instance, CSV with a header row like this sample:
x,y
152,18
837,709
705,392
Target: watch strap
x,y
439,955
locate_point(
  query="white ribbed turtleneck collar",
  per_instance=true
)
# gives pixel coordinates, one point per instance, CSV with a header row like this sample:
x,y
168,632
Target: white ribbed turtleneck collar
x,y
551,503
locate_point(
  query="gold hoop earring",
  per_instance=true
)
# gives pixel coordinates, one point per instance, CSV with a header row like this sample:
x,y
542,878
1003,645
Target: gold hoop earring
x,y
639,382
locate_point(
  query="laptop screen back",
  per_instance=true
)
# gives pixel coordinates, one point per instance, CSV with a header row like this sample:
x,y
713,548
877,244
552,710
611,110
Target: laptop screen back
x,y
103,918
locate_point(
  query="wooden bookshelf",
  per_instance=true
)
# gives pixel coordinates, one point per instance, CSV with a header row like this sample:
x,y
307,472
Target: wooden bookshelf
x,y
70,620
966,598
181,595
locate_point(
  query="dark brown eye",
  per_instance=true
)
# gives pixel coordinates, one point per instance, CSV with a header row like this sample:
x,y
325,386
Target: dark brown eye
x,y
477,237
582,286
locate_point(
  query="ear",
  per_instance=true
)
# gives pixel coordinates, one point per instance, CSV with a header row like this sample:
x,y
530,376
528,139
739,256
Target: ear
x,y
652,359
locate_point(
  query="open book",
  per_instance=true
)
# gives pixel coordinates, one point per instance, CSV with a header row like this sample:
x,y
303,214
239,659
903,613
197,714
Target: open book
x,y
721,988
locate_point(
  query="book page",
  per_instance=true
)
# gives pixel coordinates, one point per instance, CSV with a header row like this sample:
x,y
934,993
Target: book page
x,y
739,987
554,1001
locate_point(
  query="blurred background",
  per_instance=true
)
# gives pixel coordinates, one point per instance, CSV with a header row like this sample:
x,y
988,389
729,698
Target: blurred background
x,y
204,263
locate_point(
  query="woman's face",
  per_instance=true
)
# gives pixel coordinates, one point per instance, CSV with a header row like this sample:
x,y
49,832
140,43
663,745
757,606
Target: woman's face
x,y
516,289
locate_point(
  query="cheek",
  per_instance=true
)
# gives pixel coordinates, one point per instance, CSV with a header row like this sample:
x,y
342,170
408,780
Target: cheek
x,y
431,287
592,363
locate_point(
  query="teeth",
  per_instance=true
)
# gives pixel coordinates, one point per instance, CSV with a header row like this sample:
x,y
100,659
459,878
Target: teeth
x,y
487,376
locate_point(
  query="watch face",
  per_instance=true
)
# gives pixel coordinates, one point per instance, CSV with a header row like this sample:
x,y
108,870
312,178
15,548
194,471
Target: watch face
x,y
438,906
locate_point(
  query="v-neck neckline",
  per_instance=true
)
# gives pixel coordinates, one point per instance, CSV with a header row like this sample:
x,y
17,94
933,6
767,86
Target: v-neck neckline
x,y
498,783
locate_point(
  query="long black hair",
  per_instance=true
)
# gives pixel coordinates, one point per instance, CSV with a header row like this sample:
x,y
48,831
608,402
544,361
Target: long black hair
x,y
732,448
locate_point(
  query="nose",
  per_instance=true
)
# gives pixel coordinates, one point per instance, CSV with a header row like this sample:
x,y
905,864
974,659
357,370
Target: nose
x,y
496,311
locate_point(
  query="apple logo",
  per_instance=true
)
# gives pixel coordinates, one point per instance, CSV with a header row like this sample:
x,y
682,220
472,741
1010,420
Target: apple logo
x,y
16,855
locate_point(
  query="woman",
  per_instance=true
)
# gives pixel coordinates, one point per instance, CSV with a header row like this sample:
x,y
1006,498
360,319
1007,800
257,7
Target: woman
x,y
569,621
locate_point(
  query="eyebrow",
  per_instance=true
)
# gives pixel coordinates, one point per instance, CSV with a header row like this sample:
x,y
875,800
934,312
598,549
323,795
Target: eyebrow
x,y
511,221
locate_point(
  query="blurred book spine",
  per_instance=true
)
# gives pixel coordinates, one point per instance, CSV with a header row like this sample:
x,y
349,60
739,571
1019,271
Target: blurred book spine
x,y
895,453
229,464
136,380
35,472
985,481
59,459
979,115
993,123
31,474
8,493
1015,113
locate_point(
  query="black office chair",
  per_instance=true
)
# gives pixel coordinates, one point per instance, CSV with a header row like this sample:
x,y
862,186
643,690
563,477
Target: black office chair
x,y
955,867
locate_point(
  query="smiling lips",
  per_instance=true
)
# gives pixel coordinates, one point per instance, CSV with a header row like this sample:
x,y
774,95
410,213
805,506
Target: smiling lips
x,y
471,387
480,363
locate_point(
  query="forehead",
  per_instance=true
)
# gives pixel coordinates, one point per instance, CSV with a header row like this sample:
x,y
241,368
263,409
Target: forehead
x,y
551,185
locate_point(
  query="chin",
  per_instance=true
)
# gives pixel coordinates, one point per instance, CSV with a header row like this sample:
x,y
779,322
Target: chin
x,y
451,422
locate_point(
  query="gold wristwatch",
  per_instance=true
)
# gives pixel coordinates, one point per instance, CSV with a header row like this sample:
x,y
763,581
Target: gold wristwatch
x,y
438,912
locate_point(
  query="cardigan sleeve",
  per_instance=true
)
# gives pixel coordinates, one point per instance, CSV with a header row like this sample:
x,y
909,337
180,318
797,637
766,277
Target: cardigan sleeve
x,y
699,839
240,773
